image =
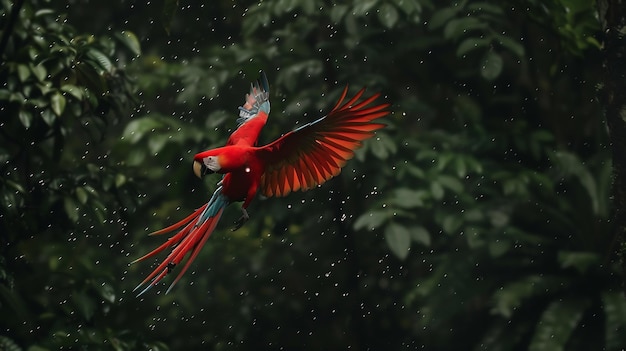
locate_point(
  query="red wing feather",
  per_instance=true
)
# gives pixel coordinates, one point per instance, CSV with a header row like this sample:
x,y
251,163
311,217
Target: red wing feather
x,y
253,114
315,152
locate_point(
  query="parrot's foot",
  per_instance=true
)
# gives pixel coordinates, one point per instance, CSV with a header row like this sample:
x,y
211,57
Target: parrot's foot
x,y
243,219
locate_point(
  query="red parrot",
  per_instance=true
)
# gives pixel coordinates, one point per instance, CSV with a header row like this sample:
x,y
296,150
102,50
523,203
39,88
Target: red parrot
x,y
299,160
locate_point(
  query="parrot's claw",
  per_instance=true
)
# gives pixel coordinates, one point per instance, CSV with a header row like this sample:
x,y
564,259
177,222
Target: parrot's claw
x,y
243,219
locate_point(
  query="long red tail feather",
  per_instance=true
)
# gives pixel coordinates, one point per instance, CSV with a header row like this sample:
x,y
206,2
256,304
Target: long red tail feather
x,y
190,239
180,223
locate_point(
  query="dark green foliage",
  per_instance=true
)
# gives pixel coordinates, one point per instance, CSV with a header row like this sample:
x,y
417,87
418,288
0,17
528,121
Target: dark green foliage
x,y
62,92
478,219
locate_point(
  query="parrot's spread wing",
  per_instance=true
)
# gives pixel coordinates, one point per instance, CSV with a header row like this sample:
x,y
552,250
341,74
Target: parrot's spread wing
x,y
315,152
253,114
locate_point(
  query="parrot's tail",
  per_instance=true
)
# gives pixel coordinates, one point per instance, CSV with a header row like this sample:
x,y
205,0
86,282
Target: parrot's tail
x,y
196,230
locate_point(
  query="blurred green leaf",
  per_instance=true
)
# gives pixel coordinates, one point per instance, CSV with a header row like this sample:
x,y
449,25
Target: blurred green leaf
x,y
4,94
443,16
581,261
511,45
101,59
457,27
498,218
23,72
371,220
408,198
136,157
472,43
337,12
420,235
388,15
452,223
362,7
157,142
491,66
383,146
557,324
217,118
379,149
408,6
39,71
614,306
570,164
48,116
130,40
398,239
511,296
120,180
85,305
88,76
107,292
81,195
73,90
8,344
451,183
436,190
136,129
44,12
486,7
71,208
26,118
57,103
17,186
498,247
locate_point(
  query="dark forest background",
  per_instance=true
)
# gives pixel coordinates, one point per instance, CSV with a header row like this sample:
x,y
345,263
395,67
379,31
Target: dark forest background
x,y
480,218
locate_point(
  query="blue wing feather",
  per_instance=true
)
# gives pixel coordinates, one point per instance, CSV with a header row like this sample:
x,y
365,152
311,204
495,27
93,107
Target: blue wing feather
x,y
257,100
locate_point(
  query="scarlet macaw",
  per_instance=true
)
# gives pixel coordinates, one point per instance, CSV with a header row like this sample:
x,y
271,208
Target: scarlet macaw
x,y
299,160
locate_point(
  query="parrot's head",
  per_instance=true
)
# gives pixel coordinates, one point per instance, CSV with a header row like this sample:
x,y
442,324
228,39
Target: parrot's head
x,y
208,162
200,170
